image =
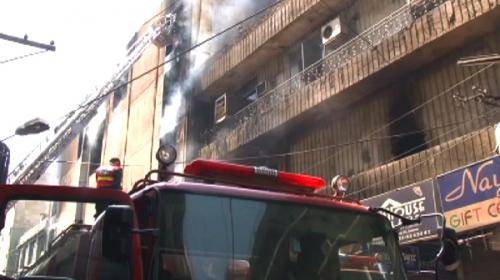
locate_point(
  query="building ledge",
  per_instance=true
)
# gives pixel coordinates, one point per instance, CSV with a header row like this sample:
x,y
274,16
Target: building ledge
x,y
427,164
346,76
287,23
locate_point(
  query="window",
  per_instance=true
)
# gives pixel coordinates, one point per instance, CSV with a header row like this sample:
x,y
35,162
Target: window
x,y
411,138
294,57
220,109
30,253
121,92
55,208
41,243
312,49
312,52
209,237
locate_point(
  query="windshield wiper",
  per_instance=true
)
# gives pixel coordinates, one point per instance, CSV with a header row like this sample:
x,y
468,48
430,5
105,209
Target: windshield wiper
x,y
404,221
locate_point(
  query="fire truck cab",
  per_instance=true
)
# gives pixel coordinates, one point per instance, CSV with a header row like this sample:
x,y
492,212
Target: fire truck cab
x,y
223,221
205,230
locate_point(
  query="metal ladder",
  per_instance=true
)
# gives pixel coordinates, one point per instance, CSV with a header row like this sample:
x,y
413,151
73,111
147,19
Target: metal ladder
x,y
37,162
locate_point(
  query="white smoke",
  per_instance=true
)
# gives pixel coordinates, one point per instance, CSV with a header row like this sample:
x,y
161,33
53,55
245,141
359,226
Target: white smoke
x,y
171,112
206,21
95,124
214,19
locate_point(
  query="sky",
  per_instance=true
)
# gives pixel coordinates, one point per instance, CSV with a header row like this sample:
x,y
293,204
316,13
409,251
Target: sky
x,y
90,38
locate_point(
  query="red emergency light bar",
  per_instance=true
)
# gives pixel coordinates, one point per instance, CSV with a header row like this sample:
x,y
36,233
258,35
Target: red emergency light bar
x,y
252,175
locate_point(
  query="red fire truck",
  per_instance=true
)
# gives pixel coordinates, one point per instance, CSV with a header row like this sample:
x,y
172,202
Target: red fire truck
x,y
222,221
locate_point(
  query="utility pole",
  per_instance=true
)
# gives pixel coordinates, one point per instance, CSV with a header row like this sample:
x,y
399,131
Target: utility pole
x,y
25,41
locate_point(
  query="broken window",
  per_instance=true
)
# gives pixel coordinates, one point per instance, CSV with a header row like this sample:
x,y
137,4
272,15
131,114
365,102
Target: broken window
x,y
406,135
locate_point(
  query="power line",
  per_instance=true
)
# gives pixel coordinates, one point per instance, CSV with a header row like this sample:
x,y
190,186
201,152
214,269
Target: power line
x,y
467,137
425,143
359,141
306,151
183,53
179,55
431,157
407,113
22,56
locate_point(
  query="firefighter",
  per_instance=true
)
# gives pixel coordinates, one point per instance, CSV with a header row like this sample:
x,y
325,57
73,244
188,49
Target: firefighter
x,y
108,177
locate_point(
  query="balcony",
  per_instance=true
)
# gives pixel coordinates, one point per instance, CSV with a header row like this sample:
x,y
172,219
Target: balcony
x,y
427,164
400,43
287,23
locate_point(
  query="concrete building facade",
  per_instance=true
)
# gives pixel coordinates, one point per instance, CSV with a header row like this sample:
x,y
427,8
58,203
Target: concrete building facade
x,y
378,96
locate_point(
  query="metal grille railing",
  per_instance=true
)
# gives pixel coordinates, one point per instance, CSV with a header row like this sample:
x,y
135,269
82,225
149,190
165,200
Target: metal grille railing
x,y
250,119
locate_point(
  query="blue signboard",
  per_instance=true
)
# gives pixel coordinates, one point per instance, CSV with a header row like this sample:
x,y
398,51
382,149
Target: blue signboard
x,y
470,195
411,202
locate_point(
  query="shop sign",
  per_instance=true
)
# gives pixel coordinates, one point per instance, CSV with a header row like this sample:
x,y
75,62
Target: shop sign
x,y
470,195
411,202
411,258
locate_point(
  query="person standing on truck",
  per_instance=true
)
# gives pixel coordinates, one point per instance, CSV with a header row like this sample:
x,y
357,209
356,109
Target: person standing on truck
x,y
108,177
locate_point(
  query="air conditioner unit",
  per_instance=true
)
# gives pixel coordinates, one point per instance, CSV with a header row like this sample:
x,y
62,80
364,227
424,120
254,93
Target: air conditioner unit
x,y
220,109
333,32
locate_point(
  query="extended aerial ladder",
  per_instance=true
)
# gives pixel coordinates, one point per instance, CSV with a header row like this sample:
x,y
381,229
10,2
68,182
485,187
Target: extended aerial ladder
x,y
33,166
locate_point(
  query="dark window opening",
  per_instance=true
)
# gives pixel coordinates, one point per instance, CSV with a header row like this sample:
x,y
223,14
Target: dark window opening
x,y
407,137
121,92
132,43
294,57
249,92
55,209
312,52
312,49
96,149
81,140
202,116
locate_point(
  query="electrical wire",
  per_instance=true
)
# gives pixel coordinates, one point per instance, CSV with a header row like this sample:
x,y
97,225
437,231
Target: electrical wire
x,y
174,58
177,56
328,147
425,143
300,152
22,56
7,138
465,138
186,51
360,141
182,53
411,111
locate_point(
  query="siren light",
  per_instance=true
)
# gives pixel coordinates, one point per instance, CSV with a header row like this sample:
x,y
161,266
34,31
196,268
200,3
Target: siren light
x,y
252,175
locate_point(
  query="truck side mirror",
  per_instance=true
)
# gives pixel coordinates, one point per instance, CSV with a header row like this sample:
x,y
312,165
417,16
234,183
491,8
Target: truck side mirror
x,y
118,223
449,256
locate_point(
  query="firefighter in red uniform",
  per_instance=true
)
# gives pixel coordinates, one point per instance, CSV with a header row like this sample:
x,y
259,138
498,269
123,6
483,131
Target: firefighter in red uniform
x,y
108,177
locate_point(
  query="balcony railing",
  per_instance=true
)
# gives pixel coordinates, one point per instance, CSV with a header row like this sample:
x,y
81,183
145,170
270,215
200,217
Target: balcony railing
x,y
279,104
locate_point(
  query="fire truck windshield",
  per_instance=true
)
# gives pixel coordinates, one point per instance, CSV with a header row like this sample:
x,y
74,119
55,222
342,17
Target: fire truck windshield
x,y
218,237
